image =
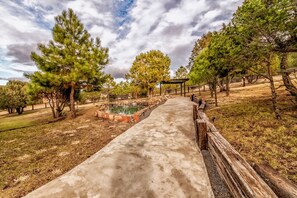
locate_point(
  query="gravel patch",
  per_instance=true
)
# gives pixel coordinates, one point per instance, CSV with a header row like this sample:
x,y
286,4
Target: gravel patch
x,y
219,188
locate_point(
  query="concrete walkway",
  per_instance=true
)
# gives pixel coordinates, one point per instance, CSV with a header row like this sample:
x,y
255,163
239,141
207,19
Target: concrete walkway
x,y
157,157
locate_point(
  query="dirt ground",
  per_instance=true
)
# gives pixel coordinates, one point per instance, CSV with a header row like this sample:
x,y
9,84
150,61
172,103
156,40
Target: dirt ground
x,y
33,156
246,120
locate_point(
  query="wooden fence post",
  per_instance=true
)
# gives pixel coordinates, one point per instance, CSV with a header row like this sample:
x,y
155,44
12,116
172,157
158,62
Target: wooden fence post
x,y
195,112
201,134
202,105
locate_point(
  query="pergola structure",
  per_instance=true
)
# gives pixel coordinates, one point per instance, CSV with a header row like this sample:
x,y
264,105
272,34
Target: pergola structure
x,y
181,81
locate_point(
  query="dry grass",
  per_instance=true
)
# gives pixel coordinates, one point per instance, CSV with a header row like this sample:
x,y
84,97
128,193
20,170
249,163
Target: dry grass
x,y
31,157
246,120
28,118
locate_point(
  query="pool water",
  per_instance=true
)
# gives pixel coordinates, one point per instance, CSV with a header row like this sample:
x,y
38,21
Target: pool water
x,y
127,110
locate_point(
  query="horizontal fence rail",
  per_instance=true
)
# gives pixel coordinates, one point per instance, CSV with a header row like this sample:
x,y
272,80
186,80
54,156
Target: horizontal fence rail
x,y
241,179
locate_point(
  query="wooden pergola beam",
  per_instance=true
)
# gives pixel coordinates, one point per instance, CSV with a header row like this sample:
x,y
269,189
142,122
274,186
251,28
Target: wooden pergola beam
x,y
181,81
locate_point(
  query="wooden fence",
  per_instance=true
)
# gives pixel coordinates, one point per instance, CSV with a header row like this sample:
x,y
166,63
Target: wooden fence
x,y
241,179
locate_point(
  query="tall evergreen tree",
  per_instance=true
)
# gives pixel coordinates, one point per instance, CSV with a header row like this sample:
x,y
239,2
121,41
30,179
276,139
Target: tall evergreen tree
x,y
199,45
272,24
71,61
203,71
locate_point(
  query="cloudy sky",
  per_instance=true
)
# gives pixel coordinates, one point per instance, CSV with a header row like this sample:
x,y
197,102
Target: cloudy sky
x,y
126,27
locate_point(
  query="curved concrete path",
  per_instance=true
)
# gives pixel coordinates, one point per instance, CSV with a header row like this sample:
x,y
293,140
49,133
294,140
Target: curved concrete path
x,y
157,157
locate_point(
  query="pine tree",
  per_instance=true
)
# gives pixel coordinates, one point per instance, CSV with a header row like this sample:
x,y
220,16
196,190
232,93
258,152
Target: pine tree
x,y
273,26
71,61
199,45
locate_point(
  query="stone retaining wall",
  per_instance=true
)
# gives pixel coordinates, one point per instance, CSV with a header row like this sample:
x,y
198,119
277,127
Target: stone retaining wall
x,y
137,116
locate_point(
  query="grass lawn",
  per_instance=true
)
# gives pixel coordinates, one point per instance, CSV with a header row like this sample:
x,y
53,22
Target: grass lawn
x,y
246,120
33,156
28,118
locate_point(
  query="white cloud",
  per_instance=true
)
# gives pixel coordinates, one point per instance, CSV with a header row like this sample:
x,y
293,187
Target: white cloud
x,y
171,26
19,28
107,36
186,12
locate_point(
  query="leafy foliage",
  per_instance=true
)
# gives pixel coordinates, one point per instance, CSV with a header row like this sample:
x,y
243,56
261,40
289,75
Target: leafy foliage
x,y
260,30
199,45
181,73
148,69
272,27
92,96
13,96
202,71
121,89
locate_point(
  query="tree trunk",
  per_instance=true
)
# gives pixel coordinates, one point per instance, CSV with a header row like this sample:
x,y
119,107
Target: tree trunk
x,y
220,83
52,106
243,81
227,85
210,86
252,79
108,92
257,77
53,112
19,110
273,93
151,92
59,112
148,92
10,110
286,76
59,108
72,101
215,92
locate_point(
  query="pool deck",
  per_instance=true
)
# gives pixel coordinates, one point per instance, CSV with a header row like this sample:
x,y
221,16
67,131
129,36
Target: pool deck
x,y
157,157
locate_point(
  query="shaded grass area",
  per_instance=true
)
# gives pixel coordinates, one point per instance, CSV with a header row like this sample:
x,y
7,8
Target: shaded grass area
x,y
32,156
28,118
250,126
